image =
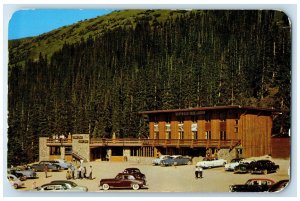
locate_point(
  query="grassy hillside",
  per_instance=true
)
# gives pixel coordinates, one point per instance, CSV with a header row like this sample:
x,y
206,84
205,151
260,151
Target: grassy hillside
x,y
22,49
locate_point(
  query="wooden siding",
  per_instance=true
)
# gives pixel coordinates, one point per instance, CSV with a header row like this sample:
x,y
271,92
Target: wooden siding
x,y
281,147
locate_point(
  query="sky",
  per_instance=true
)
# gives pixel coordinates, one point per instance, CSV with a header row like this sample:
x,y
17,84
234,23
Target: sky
x,y
25,23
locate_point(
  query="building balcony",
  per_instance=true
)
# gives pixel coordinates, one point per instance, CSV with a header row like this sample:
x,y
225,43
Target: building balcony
x,y
134,142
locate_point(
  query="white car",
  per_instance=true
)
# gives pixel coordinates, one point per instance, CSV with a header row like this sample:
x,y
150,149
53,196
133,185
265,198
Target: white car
x,y
233,163
157,161
211,162
14,181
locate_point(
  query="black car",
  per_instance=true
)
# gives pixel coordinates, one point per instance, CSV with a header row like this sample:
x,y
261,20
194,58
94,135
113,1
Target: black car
x,y
279,186
136,172
253,185
263,167
241,168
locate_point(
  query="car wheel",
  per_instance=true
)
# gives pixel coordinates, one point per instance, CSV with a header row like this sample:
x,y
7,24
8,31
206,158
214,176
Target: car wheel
x,y
135,186
15,186
105,186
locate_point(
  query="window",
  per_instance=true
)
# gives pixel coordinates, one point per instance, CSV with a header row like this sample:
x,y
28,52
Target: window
x,y
236,129
181,134
222,135
208,135
156,135
194,135
168,135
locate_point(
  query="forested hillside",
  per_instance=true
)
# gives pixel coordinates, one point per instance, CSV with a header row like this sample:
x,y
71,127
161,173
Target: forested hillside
x,y
100,80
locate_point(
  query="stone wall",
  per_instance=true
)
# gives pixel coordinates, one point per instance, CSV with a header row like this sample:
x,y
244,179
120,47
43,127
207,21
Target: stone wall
x,y
44,150
80,145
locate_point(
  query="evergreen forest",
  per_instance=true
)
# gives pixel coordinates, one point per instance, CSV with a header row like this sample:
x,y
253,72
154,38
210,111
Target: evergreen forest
x,y
99,80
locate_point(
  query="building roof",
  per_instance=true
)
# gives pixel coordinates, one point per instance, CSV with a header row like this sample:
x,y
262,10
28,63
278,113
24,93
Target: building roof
x,y
211,108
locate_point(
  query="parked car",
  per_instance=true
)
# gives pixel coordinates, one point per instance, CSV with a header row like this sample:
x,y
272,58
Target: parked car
x,y
176,160
14,181
157,161
62,163
135,172
25,171
39,167
211,162
62,186
122,180
263,167
241,168
253,185
17,174
279,186
233,163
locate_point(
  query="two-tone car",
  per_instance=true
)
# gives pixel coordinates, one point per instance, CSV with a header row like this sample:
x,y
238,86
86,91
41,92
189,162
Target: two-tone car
x,y
176,160
253,185
62,186
233,163
39,167
14,181
212,162
157,161
135,172
122,180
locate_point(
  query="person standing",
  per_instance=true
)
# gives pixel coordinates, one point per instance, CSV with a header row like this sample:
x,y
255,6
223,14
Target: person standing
x,y
200,171
46,170
91,173
197,172
72,168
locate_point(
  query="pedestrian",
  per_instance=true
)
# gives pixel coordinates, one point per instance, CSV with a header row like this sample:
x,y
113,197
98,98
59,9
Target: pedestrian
x,y
83,172
68,175
72,168
197,172
78,172
46,170
91,172
200,171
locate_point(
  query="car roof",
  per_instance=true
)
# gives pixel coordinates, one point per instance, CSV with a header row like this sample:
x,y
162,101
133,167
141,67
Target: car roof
x,y
261,179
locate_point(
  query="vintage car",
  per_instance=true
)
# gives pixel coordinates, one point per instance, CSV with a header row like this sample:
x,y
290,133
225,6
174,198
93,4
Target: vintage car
x,y
122,180
253,185
279,186
17,174
233,163
176,160
39,167
241,168
157,161
211,162
62,186
25,171
263,167
14,181
62,163
135,172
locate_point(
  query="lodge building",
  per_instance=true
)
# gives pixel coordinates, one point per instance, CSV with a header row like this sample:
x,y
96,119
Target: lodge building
x,y
222,131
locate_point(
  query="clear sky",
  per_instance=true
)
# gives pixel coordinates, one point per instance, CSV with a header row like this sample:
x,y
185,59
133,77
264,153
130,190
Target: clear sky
x,y
25,23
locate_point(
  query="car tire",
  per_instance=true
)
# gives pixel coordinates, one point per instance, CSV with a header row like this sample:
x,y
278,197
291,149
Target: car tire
x,y
15,186
135,186
105,187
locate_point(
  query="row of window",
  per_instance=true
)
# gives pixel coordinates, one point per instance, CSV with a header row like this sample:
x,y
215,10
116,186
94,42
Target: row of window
x,y
194,135
195,118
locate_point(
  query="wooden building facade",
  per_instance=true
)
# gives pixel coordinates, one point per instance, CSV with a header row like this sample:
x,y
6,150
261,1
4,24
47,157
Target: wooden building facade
x,y
223,132
246,128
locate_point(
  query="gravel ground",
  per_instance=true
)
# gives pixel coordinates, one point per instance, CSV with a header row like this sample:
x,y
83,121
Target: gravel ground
x,y
163,179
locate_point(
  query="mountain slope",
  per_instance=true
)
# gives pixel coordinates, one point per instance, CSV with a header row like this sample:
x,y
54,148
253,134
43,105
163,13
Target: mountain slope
x,y
48,43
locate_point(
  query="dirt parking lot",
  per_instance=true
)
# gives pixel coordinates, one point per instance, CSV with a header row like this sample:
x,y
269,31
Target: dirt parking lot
x,y
164,179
